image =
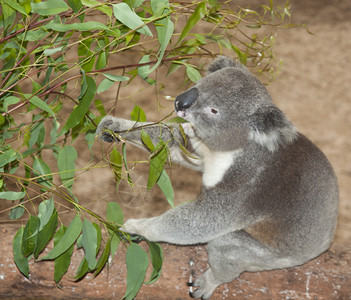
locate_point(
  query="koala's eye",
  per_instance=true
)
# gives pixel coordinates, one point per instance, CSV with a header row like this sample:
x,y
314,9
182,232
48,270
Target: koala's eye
x,y
214,111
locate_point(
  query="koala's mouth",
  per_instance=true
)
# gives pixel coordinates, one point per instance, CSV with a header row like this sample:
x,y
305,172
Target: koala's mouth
x,y
182,113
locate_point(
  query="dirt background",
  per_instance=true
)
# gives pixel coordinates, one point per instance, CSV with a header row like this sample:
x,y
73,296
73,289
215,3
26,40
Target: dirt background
x,y
313,89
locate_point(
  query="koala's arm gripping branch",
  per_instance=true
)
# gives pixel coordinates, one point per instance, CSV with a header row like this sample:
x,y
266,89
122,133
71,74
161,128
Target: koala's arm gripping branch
x,y
186,224
131,131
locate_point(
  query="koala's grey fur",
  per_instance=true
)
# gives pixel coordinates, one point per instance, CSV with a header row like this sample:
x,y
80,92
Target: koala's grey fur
x,y
269,196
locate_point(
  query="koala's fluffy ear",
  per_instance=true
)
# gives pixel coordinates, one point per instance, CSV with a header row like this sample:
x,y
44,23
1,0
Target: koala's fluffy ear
x,y
224,62
270,128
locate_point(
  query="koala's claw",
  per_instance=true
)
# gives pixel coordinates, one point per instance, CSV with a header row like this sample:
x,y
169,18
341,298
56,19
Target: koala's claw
x,y
108,137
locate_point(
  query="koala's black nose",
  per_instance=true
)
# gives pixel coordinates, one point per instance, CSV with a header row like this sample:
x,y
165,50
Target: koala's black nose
x,y
185,100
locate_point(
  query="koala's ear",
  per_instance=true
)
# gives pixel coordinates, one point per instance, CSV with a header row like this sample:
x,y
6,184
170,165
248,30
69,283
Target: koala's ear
x,y
223,62
270,128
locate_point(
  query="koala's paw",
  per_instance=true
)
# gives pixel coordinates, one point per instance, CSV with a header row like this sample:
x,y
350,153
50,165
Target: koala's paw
x,y
205,286
133,227
105,129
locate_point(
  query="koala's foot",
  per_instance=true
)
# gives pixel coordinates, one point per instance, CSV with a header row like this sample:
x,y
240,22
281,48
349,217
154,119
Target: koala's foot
x,y
206,284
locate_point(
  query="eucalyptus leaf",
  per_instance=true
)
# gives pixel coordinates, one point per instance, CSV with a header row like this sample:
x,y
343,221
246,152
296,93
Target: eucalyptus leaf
x,y
20,260
126,16
165,185
138,115
12,195
49,7
87,26
157,162
104,85
193,74
29,238
199,12
103,258
8,156
63,261
66,164
156,256
46,233
73,231
89,241
43,172
36,101
114,213
137,262
116,78
116,165
82,108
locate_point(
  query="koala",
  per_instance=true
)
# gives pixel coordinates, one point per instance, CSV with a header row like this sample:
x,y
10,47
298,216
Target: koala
x,y
269,196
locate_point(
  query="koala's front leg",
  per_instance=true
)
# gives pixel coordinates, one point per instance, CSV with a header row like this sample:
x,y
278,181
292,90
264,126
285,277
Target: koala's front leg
x,y
123,128
130,130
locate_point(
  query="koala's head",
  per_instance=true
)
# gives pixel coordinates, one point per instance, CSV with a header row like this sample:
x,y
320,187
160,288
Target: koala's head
x,y
230,107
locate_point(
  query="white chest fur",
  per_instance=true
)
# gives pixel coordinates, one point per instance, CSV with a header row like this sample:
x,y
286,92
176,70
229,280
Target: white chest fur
x,y
216,164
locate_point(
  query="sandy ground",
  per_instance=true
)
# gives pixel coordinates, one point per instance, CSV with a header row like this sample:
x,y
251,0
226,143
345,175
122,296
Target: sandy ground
x,y
313,89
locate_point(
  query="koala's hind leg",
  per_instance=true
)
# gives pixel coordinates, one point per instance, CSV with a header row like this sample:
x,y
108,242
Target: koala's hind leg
x,y
228,257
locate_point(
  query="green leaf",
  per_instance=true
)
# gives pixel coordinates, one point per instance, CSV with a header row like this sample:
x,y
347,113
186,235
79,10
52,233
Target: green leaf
x,y
138,114
137,262
41,169
157,162
10,101
48,52
199,12
165,185
193,74
116,165
36,101
29,238
17,7
8,156
49,7
12,195
76,5
20,261
79,111
115,78
82,270
89,242
46,209
125,161
115,240
125,15
64,260
146,139
66,165
242,56
7,15
144,71
37,133
45,234
16,212
98,237
103,258
104,85
69,238
114,213
101,61
87,26
156,256
164,28
102,7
